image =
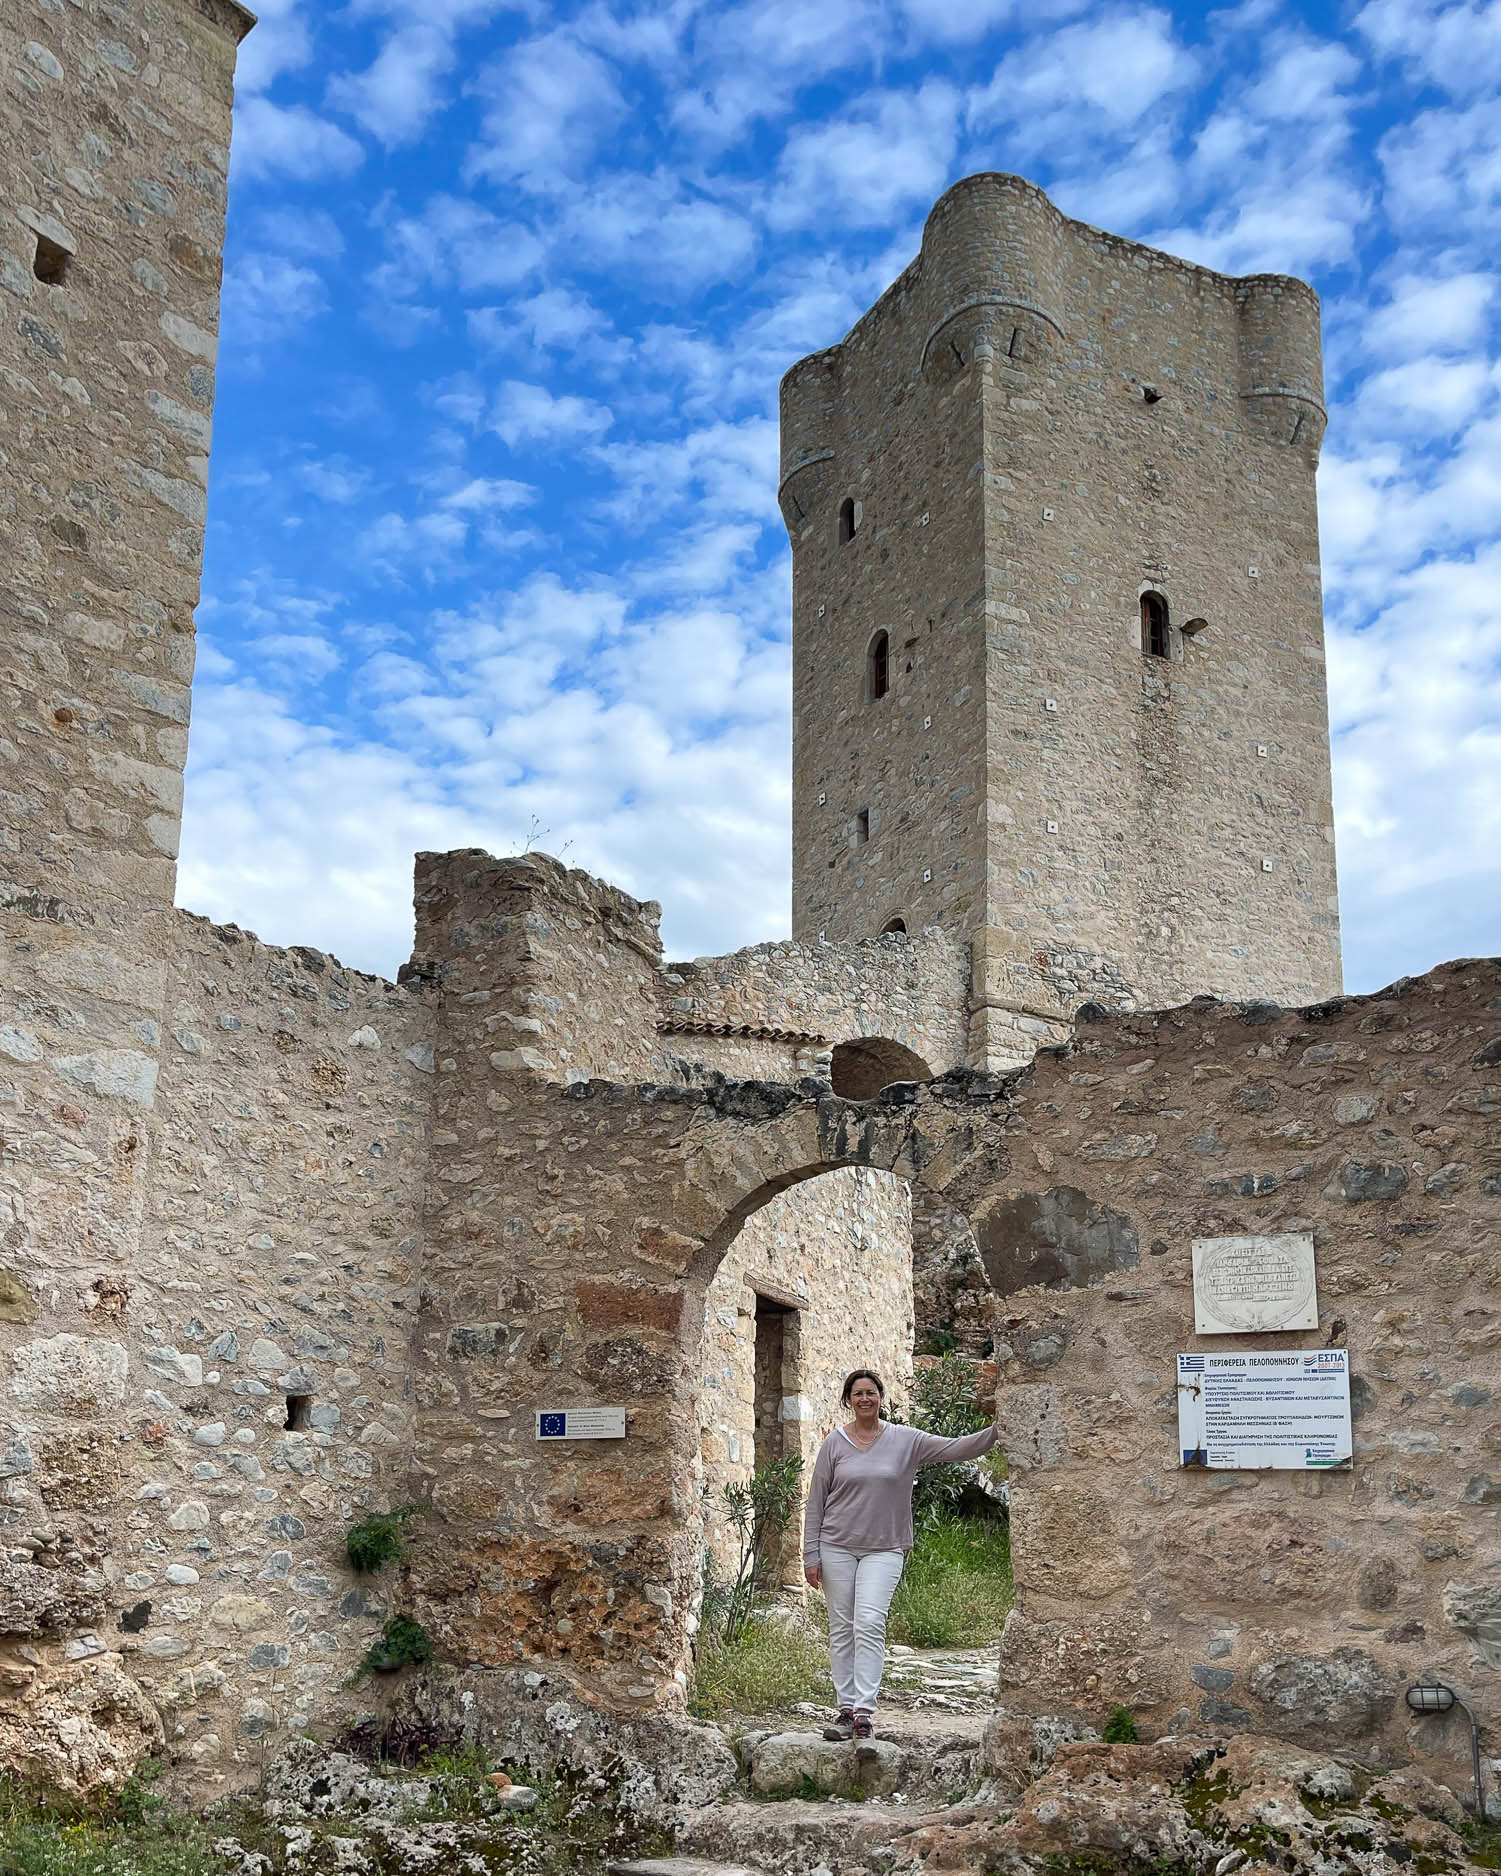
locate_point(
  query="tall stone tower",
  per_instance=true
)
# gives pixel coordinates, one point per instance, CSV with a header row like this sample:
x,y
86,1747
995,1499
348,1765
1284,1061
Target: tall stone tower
x,y
1058,657
114,152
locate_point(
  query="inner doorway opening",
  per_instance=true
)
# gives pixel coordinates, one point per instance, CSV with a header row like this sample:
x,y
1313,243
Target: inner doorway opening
x,y
776,1328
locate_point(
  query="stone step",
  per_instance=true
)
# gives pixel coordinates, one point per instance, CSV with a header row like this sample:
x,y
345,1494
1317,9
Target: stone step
x,y
919,1766
801,1836
680,1866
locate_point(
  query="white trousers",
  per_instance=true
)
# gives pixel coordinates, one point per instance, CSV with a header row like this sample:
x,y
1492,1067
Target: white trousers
x,y
858,1588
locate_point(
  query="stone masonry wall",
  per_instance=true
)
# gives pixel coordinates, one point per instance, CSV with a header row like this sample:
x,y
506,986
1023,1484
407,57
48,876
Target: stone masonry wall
x,y
145,1404
575,959
912,990
839,1249
1291,1603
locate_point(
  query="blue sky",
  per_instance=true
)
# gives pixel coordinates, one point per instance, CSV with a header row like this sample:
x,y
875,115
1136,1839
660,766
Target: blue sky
x,y
493,548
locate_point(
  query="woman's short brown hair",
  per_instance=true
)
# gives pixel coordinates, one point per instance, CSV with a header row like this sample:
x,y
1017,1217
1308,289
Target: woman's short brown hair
x,y
861,1374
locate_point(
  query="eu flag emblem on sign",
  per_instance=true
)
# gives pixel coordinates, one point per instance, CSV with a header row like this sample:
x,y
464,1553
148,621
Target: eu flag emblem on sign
x,y
553,1427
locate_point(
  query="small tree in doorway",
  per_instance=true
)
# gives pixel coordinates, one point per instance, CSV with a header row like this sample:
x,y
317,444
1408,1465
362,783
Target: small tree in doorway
x,y
760,1512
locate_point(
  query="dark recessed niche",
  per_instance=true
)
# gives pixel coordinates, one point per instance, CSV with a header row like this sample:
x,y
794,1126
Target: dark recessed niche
x,y
52,262
299,1412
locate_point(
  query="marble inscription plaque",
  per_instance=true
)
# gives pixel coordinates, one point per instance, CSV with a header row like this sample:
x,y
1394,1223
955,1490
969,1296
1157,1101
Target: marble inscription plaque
x,y
1247,1286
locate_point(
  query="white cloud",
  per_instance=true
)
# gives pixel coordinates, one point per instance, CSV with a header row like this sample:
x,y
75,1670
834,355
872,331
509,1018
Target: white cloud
x,y
728,469
280,43
1447,313
558,702
266,296
306,657
1443,170
397,95
1083,80
1428,397
656,230
290,140
1458,47
1416,704
554,319
750,61
940,22
455,241
529,413
334,479
872,165
550,101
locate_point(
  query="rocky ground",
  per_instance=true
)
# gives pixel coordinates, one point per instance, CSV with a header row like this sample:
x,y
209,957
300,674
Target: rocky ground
x,y
950,1785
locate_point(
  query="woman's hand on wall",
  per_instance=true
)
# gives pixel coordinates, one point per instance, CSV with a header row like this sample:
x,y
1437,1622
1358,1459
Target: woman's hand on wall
x,y
813,1572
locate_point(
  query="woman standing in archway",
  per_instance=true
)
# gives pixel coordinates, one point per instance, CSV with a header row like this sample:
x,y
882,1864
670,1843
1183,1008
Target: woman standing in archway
x,y
857,1531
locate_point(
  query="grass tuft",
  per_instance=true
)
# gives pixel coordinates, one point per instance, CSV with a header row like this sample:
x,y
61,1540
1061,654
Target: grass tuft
x,y
402,1643
770,1669
956,1590
378,1539
135,1836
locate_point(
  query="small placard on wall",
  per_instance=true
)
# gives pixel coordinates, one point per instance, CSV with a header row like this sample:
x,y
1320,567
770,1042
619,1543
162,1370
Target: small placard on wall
x,y
581,1423
1253,1286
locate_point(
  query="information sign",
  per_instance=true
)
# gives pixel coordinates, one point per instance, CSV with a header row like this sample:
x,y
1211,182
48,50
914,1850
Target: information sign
x,y
1289,1410
581,1423
1251,1286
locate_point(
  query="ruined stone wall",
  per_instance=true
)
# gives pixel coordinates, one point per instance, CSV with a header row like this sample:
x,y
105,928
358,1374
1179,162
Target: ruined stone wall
x,y
839,1249
556,969
114,135
1294,1603
1038,422
146,1398
911,989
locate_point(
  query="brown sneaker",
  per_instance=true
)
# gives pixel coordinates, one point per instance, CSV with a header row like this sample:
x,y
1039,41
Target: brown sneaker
x,y
864,1730
843,1727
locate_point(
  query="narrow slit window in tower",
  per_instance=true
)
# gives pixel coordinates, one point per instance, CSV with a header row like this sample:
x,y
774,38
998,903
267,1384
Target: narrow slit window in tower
x,y
51,263
880,666
1154,625
299,1410
847,520
862,827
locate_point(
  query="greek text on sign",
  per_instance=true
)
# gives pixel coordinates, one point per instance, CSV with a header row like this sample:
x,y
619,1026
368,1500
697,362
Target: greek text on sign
x,y
581,1423
1250,1286
1285,1409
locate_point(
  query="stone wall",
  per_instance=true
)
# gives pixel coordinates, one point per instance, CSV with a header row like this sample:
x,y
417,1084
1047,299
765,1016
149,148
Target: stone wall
x,y
788,1006
1296,1603
1034,425
546,969
146,1406
838,1250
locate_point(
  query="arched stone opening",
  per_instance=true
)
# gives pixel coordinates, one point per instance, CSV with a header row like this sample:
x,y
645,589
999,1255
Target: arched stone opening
x,y
815,1280
860,1069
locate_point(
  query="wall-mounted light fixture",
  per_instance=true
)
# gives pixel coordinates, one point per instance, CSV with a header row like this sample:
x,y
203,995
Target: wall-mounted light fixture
x,y
1435,1697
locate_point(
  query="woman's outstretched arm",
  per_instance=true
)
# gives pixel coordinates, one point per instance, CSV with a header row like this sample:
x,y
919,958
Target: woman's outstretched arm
x,y
930,1449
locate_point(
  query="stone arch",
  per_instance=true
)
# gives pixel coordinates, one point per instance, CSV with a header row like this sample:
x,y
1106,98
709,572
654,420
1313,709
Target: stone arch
x,y
585,1560
859,1069
814,1279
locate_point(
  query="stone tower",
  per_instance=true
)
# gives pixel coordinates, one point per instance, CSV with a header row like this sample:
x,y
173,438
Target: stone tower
x,y
1057,628
114,152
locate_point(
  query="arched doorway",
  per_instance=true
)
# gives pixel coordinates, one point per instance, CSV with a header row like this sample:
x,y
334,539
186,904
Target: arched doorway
x,y
860,1069
818,1280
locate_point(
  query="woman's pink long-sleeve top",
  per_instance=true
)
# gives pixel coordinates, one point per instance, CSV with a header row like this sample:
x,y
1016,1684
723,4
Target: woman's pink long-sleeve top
x,y
862,1501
